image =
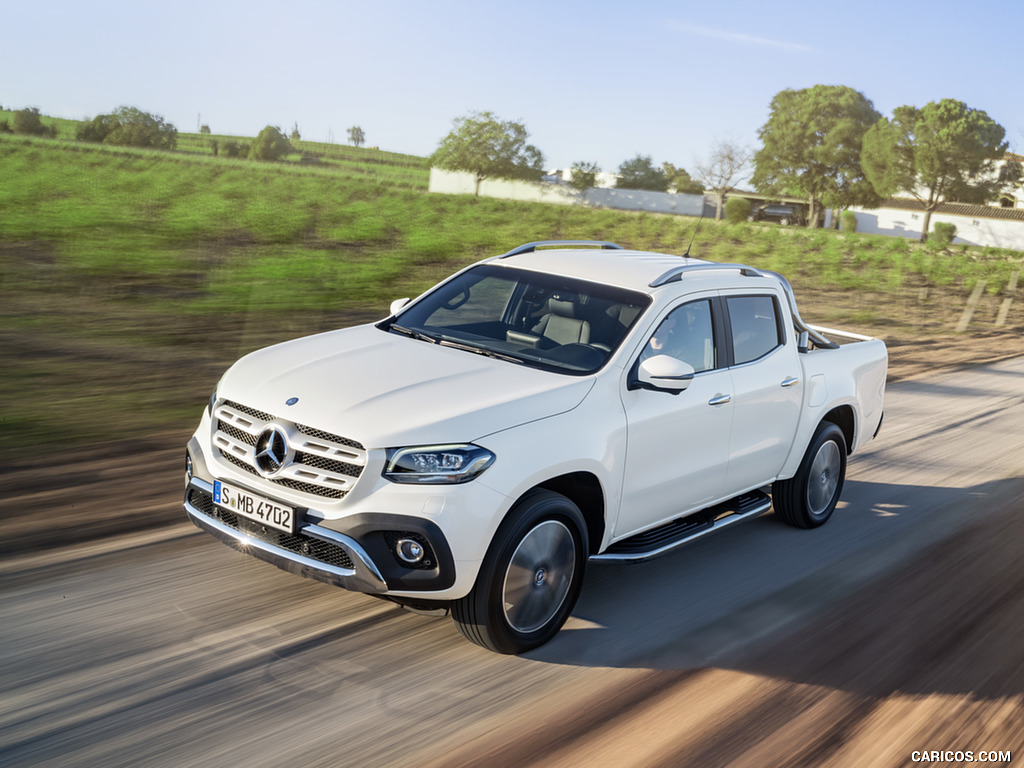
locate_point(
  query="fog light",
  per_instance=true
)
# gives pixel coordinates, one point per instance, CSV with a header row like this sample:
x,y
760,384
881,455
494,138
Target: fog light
x,y
409,551
188,467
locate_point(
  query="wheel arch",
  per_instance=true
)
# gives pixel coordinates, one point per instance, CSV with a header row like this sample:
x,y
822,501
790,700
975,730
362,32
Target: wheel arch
x,y
845,418
508,612
585,491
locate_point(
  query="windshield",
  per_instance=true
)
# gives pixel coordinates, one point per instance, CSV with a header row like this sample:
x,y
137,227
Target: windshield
x,y
556,323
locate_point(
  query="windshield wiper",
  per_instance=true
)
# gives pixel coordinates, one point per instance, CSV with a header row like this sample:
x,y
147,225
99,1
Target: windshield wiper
x,y
444,342
419,335
480,351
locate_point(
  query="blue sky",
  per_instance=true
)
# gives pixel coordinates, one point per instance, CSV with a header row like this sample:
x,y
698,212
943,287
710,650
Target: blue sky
x,y
595,81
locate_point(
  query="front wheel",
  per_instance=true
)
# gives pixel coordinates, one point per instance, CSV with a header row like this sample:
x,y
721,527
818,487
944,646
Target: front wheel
x,y
808,499
530,579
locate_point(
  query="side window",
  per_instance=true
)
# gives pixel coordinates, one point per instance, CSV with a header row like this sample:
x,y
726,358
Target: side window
x,y
686,333
755,327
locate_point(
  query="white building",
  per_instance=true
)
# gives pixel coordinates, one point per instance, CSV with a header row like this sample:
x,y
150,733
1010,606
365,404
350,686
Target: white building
x,y
975,224
999,225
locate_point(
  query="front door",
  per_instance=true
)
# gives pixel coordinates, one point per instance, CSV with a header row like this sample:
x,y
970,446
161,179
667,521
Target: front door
x,y
677,444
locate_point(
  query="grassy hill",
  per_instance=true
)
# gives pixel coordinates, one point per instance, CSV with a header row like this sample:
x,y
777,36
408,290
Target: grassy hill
x,y
371,164
130,278
360,162
65,128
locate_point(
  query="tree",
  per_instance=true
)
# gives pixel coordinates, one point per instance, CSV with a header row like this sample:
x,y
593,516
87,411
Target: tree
x,y
235,149
204,129
129,127
356,137
680,180
944,151
583,176
640,173
725,166
28,121
270,144
944,233
96,129
489,148
811,146
737,210
295,135
1011,178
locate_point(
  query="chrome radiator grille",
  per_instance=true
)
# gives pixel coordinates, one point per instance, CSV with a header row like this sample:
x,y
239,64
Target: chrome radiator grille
x,y
323,464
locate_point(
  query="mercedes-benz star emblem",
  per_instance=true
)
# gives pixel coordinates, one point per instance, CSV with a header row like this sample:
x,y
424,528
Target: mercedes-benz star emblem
x,y
271,450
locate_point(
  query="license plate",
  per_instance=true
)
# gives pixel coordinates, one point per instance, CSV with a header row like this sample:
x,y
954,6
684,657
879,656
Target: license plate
x,y
254,507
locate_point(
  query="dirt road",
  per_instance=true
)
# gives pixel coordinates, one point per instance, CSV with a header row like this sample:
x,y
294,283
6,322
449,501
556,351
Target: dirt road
x,y
895,629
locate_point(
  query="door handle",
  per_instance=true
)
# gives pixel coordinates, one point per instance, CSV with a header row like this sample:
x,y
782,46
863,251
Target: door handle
x,y
720,400
790,381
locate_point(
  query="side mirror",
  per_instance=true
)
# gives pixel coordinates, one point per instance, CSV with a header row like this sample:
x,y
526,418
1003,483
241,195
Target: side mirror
x,y
664,374
802,342
397,305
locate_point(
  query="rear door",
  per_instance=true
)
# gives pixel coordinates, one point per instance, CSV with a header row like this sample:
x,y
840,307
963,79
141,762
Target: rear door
x,y
767,389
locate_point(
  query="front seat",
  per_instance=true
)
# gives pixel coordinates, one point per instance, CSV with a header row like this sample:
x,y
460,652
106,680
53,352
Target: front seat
x,y
561,325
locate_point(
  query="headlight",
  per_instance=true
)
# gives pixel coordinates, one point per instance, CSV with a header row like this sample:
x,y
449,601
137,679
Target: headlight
x,y
437,463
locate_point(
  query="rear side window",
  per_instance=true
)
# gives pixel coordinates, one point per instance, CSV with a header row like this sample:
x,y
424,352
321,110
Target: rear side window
x,y
754,321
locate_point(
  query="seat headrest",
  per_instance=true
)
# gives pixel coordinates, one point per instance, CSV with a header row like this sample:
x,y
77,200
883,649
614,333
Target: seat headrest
x,y
561,307
623,314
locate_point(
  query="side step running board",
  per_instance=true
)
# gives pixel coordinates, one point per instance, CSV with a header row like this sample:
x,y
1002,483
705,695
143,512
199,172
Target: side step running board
x,y
666,538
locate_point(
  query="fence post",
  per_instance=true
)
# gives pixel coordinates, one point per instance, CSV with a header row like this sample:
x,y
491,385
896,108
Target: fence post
x,y
1004,309
972,304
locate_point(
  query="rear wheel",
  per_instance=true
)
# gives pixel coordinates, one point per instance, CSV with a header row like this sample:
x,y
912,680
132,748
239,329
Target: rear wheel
x,y
531,577
808,499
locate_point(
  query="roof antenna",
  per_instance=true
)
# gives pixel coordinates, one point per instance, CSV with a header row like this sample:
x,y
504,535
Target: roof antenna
x,y
687,254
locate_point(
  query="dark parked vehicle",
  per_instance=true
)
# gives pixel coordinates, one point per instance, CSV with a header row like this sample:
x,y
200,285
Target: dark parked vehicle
x,y
782,214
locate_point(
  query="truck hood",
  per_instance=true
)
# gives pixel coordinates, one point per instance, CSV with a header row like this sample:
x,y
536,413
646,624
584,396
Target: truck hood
x,y
386,390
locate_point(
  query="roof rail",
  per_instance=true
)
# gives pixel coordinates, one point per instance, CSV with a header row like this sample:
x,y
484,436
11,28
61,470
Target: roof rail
x,y
528,247
676,273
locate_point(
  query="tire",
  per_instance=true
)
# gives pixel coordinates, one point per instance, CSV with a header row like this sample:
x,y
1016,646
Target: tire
x,y
808,499
530,578
784,221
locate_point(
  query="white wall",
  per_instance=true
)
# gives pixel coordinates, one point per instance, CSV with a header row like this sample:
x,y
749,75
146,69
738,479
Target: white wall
x,y
970,230
460,183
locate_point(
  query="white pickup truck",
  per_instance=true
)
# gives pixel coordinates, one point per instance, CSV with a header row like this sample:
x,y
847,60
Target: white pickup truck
x,y
562,402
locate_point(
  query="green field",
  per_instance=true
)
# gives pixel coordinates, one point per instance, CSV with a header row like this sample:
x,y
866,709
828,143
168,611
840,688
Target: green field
x,y
366,164
370,164
65,128
130,278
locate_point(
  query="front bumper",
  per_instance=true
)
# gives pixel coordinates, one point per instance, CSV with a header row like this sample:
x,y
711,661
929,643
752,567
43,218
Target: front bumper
x,y
314,552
